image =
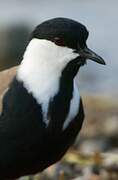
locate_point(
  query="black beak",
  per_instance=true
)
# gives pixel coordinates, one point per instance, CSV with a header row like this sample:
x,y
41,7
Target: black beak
x,y
89,54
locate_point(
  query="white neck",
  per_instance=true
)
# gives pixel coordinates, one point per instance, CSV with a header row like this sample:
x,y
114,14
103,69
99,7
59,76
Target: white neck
x,y
41,68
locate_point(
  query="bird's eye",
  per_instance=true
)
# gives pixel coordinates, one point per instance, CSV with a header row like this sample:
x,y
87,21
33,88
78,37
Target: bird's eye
x,y
59,41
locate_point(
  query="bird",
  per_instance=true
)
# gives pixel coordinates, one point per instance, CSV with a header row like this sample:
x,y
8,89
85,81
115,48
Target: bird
x,y
42,110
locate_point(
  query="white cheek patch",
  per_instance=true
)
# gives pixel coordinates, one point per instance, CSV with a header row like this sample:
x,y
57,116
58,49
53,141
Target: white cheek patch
x,y
41,69
74,107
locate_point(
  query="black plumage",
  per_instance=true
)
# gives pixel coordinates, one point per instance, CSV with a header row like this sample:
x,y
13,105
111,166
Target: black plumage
x,y
27,145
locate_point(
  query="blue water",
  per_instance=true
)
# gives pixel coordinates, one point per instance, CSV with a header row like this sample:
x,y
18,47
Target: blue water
x,y
101,19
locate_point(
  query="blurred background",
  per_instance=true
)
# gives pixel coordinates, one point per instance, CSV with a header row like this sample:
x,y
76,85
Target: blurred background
x,y
97,83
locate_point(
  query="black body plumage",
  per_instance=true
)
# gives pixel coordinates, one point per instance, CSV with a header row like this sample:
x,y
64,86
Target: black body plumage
x,y
27,145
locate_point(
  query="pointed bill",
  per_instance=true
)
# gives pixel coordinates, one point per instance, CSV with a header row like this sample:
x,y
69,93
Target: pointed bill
x,y
89,54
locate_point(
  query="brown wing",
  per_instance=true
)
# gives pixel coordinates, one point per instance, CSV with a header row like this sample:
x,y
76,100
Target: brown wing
x,y
5,78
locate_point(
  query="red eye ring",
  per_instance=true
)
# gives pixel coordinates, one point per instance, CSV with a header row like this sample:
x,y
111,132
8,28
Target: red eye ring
x,y
59,41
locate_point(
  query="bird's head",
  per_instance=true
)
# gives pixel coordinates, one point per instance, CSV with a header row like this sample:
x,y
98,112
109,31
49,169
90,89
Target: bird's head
x,y
66,34
55,45
57,48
